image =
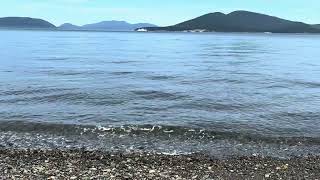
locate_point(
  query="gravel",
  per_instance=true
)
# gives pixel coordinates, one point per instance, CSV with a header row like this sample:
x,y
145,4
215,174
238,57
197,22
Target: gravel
x,y
81,164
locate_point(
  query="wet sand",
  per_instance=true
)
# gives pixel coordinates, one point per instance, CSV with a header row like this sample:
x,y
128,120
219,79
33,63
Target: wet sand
x,y
81,164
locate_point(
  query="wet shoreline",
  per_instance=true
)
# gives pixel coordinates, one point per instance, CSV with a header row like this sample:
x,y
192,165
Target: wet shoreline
x,y
82,164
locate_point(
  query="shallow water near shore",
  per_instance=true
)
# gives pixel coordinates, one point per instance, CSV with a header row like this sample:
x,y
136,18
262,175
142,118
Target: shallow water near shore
x,y
222,94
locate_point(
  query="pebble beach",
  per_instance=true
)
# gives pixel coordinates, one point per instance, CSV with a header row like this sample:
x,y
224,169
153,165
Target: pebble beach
x,y
82,164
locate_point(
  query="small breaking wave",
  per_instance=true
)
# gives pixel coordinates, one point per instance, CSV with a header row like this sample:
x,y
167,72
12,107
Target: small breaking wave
x,y
159,132
170,140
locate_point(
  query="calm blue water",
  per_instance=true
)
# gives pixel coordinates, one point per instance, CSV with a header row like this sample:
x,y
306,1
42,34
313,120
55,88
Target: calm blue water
x,y
217,93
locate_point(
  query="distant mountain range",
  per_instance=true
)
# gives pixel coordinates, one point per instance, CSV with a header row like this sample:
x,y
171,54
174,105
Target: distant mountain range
x,y
239,21
69,26
106,26
24,22
32,23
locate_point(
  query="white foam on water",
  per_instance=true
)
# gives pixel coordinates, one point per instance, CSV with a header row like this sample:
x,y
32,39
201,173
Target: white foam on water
x,y
165,131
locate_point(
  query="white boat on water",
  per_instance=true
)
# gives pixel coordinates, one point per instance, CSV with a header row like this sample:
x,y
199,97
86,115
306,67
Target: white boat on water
x,y
142,30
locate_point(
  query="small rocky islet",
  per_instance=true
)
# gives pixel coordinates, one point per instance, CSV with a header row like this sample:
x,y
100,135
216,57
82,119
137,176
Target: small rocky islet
x,y
82,164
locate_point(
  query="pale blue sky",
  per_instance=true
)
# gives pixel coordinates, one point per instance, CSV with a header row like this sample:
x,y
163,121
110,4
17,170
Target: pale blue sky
x,y
160,12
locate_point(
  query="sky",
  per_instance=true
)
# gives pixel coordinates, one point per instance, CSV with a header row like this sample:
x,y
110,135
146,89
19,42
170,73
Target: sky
x,y
159,12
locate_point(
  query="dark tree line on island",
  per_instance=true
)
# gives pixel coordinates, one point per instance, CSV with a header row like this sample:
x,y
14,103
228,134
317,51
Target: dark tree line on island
x,y
240,21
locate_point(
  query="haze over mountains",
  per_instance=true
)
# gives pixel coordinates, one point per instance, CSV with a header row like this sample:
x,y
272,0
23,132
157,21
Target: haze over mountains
x,y
240,21
32,23
106,25
237,21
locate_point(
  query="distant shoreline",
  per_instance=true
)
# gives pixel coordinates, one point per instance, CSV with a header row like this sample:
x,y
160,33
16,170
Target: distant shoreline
x,y
79,164
180,32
